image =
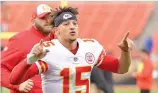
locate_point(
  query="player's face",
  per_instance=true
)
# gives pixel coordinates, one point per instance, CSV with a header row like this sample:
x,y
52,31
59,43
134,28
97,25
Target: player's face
x,y
44,24
68,30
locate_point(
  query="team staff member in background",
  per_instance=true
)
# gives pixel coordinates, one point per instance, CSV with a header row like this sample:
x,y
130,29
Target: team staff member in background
x,y
20,45
144,79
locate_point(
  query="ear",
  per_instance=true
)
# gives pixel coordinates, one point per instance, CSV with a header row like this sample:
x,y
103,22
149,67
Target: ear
x,y
34,21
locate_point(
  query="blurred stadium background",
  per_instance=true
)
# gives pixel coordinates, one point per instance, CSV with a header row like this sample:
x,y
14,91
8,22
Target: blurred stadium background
x,y
105,21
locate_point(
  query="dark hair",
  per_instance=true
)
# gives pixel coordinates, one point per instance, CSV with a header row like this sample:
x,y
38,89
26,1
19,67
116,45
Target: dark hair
x,y
60,10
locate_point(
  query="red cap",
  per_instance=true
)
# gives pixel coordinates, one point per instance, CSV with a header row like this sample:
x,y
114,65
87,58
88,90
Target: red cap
x,y
41,11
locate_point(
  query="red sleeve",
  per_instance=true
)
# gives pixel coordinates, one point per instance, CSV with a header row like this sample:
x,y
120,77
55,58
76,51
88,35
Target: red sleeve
x,y
5,79
23,72
109,63
9,58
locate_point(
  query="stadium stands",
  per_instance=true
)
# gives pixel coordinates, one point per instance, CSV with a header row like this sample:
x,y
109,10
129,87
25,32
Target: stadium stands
x,y
106,22
155,38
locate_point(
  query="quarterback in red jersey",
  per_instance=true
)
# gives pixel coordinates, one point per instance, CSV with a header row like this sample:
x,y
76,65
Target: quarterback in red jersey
x,y
66,63
20,45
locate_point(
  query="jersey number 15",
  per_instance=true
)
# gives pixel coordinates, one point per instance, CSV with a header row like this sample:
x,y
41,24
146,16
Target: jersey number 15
x,y
79,82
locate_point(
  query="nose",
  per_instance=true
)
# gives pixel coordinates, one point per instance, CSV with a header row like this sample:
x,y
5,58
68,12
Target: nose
x,y
47,21
72,26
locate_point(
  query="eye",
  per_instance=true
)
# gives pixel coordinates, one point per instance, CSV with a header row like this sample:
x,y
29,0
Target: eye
x,y
43,18
75,23
51,16
66,24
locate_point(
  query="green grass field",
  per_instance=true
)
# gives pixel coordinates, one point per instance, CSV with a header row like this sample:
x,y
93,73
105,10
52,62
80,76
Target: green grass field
x,y
131,90
4,90
117,90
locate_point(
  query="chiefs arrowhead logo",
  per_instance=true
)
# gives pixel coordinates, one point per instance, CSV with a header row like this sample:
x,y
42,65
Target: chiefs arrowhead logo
x,y
67,16
89,57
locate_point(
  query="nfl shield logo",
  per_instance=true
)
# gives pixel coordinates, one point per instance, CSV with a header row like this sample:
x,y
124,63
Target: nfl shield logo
x,y
89,57
75,59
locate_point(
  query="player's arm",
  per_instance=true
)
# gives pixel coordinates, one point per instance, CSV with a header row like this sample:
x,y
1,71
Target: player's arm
x,y
126,46
107,62
27,69
116,65
111,64
9,58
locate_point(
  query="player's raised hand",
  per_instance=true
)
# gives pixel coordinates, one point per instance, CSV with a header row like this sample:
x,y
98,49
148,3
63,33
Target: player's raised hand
x,y
36,53
38,49
126,44
26,86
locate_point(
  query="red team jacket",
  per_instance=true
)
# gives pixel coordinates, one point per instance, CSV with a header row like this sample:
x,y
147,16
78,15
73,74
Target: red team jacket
x,y
17,49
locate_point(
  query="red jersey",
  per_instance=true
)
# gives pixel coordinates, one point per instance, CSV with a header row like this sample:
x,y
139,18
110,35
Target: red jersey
x,y
18,47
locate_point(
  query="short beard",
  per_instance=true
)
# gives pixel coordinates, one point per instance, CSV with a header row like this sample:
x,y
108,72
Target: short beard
x,y
43,30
